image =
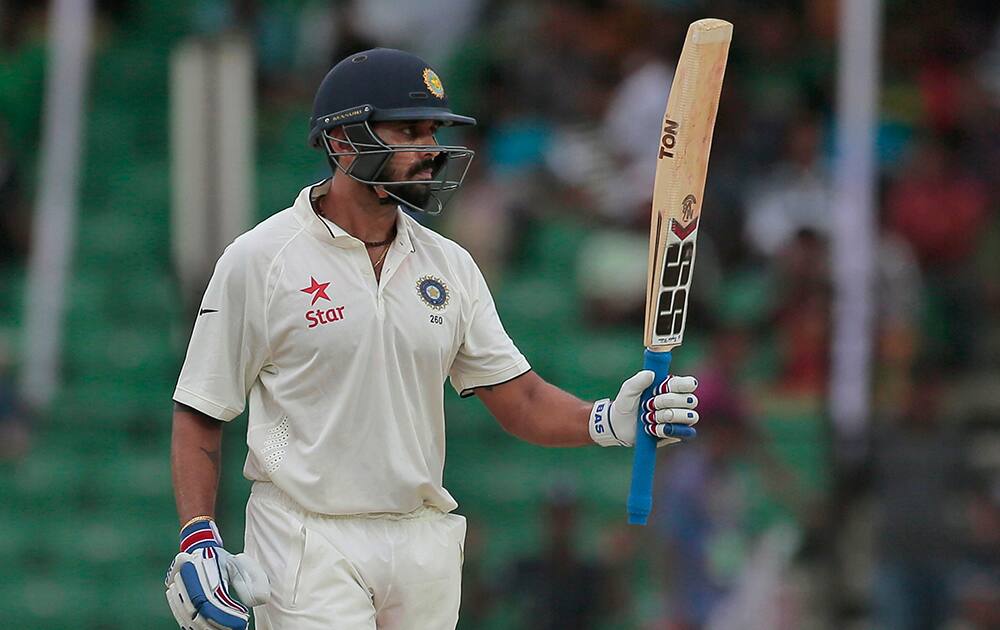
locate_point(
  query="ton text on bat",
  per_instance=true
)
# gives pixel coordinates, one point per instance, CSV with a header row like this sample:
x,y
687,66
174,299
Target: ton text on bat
x,y
669,138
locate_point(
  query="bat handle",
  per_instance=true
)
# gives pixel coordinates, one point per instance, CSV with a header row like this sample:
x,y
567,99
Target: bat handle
x,y
640,496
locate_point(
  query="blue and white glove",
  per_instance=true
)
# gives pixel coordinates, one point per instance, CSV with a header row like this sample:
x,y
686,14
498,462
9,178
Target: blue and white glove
x,y
669,415
199,579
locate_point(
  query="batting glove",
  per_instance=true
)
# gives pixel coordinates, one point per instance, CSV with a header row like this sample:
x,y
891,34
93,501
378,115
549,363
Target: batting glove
x,y
199,578
668,416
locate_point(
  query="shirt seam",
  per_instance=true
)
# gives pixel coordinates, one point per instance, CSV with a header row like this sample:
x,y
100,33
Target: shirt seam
x,y
267,287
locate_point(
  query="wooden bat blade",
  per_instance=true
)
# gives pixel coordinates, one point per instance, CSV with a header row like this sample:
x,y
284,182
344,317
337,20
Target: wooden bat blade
x,y
681,167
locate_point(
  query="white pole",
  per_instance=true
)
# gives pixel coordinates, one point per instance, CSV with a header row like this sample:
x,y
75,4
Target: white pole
x,y
855,235
235,127
56,205
191,172
212,110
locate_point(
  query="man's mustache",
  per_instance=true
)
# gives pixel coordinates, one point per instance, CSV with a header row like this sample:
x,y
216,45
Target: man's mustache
x,y
433,164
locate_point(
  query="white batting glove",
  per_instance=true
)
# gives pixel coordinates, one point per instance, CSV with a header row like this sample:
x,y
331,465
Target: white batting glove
x,y
669,416
199,579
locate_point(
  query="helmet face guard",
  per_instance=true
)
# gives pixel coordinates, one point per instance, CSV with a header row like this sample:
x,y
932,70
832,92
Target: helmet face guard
x,y
371,157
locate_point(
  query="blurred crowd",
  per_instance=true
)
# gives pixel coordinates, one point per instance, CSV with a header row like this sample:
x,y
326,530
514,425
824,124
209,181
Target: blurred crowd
x,y
904,529
566,93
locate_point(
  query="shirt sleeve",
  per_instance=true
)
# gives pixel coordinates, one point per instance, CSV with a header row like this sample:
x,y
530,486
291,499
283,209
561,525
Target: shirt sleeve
x,y
228,345
487,355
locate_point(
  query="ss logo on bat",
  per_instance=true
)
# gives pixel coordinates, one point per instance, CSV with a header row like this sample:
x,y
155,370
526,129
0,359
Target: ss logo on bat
x,y
674,289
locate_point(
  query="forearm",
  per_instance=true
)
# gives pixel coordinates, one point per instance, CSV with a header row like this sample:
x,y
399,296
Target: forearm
x,y
543,414
195,450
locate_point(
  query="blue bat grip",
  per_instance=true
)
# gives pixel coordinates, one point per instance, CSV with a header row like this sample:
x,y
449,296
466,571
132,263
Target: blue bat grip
x,y
640,496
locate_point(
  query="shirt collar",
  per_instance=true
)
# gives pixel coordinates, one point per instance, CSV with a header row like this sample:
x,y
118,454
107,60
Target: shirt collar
x,y
329,232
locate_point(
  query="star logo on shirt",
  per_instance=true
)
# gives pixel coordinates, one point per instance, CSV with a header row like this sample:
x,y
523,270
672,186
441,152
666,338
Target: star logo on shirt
x,y
317,290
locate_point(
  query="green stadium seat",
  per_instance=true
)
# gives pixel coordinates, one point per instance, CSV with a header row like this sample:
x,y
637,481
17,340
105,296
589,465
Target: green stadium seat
x,y
553,245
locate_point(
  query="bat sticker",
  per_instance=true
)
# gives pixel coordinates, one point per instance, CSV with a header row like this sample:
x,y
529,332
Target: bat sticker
x,y
683,231
687,207
675,281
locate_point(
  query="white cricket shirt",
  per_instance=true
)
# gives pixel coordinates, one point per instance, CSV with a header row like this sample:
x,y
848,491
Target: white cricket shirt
x,y
344,375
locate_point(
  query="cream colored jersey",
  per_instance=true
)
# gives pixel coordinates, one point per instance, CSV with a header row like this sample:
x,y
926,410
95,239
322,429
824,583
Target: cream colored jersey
x,y
344,374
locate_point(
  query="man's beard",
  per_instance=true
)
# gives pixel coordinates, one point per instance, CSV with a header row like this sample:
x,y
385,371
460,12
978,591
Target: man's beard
x,y
417,194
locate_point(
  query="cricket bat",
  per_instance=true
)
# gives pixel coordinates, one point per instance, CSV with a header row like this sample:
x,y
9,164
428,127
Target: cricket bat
x,y
681,167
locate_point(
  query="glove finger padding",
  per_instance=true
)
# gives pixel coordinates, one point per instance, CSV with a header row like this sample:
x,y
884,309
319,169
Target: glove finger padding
x,y
668,415
678,385
248,580
198,595
671,430
675,416
675,401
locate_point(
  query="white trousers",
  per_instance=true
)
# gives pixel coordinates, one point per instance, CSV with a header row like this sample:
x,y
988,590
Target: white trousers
x,y
390,572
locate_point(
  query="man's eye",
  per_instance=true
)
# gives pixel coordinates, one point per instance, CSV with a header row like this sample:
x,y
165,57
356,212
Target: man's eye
x,y
408,132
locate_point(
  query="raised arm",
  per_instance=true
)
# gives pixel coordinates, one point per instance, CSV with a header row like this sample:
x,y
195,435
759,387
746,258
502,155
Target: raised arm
x,y
535,411
195,449
538,412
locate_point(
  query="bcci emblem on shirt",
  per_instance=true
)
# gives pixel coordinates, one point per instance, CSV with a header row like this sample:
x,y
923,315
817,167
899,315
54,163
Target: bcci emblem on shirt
x,y
433,291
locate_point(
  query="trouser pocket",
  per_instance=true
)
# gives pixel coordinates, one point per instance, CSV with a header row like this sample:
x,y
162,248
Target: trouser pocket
x,y
295,562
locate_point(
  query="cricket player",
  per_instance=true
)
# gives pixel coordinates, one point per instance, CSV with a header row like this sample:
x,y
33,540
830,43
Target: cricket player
x,y
338,321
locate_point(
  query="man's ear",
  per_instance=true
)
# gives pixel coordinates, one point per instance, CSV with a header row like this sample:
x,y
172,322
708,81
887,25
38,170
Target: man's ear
x,y
330,139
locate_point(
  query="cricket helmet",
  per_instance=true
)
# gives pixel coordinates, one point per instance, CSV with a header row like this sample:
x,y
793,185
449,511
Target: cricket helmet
x,y
379,85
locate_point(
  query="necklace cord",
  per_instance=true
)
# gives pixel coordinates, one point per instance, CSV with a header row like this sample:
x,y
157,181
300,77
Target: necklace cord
x,y
382,257
368,244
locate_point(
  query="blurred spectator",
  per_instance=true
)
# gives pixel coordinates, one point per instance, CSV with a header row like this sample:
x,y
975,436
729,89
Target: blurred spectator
x,y
776,78
918,479
559,587
978,589
901,297
936,179
430,28
482,219
735,510
611,278
795,195
706,488
636,105
802,316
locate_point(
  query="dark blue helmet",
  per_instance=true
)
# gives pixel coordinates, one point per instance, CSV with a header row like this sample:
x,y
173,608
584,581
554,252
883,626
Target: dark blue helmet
x,y
383,84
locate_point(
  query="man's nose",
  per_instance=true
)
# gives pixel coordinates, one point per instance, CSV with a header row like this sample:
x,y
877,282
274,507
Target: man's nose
x,y
429,141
